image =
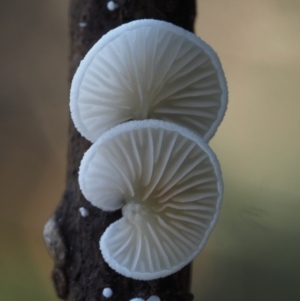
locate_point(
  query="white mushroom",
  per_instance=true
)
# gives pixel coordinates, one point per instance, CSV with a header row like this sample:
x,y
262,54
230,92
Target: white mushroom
x,y
168,183
149,69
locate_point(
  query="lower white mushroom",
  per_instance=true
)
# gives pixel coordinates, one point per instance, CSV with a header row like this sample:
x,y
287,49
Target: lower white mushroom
x,y
167,182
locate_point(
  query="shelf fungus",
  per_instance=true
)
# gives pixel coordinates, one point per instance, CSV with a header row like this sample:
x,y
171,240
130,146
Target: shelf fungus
x,y
168,183
149,69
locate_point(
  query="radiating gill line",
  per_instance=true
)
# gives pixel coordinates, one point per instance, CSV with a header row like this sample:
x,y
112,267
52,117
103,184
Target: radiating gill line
x,y
95,125
183,206
160,60
207,215
111,48
188,175
99,167
152,56
184,228
158,146
156,259
208,186
136,76
126,56
196,93
90,82
207,83
138,248
169,176
182,63
114,181
188,67
127,158
136,154
101,100
104,82
149,261
179,145
191,99
171,254
120,63
171,194
171,55
194,122
117,237
183,85
174,232
126,259
186,53
186,219
123,176
149,159
124,246
97,64
106,63
206,202
140,137
162,251
161,168
177,251
92,113
195,197
92,96
187,111
144,55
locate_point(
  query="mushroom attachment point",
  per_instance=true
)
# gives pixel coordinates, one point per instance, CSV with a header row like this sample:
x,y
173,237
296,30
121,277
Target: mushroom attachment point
x,y
168,183
149,69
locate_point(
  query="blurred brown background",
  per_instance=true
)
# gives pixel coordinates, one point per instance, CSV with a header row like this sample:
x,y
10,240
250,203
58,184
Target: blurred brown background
x,y
253,254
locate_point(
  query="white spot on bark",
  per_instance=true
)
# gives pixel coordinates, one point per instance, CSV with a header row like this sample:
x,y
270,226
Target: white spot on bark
x,y
83,212
107,292
82,24
111,5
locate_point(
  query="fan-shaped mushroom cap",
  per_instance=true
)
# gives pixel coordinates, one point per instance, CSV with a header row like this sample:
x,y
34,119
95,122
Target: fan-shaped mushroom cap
x,y
149,69
168,183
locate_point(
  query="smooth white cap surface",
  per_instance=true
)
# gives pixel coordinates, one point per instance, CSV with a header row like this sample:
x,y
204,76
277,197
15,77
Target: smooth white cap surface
x,y
149,69
168,183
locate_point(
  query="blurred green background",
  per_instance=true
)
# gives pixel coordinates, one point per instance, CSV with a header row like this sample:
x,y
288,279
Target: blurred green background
x,y
253,253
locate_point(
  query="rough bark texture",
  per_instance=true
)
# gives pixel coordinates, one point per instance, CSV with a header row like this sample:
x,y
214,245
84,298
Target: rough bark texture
x,y
80,273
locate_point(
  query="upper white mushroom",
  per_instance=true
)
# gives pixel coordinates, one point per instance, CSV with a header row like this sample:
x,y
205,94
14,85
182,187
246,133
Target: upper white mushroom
x,y
149,69
168,183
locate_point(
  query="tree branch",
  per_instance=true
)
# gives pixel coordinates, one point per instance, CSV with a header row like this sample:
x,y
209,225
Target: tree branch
x,y
80,273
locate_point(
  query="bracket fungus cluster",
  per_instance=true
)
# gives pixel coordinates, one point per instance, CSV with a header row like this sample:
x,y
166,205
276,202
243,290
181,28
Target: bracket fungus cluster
x,y
150,95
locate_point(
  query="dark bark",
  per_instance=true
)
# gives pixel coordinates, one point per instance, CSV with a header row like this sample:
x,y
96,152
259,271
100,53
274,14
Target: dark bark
x,y
80,273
